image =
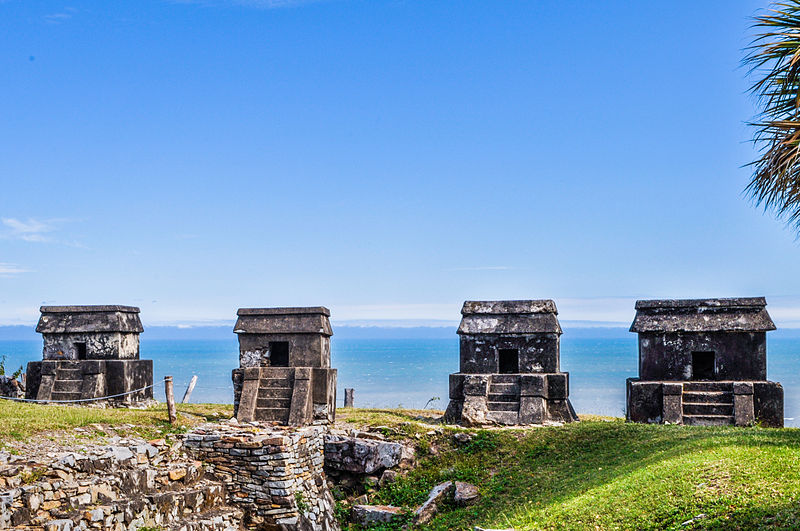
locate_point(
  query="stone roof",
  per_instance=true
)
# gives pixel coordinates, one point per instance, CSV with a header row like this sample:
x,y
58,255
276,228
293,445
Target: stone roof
x,y
311,320
746,314
83,319
509,317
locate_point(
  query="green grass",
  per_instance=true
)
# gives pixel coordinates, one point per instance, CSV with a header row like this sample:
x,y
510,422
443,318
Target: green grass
x,y
601,474
19,421
597,474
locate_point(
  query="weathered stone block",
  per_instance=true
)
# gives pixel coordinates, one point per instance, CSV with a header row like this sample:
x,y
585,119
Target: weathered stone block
x,y
673,408
533,385
532,410
743,409
457,386
645,401
476,385
558,385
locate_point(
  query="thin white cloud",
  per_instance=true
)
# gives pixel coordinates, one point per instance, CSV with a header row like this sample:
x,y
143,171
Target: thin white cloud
x,y
8,270
62,16
482,268
29,230
35,230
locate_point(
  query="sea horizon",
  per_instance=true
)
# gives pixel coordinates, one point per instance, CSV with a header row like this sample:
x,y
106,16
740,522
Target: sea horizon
x,y
412,372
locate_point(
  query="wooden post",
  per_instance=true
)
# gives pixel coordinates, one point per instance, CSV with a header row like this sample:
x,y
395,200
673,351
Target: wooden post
x,y
189,390
173,416
348,397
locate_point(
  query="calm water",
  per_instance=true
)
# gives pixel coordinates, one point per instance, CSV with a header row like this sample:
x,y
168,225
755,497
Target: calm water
x,y
410,372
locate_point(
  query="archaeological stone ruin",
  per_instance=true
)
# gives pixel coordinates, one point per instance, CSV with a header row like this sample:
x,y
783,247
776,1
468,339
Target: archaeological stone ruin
x,y
509,365
704,362
284,373
90,352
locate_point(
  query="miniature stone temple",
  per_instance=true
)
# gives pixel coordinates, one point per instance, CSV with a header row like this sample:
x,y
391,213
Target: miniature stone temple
x,y
509,365
284,372
90,352
703,362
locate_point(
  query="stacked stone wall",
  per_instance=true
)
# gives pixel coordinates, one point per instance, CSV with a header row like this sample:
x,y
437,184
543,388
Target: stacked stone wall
x,y
274,474
114,488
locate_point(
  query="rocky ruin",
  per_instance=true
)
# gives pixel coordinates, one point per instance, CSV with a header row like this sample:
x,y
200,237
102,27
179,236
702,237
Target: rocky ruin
x,y
122,486
703,362
509,365
276,476
90,352
284,372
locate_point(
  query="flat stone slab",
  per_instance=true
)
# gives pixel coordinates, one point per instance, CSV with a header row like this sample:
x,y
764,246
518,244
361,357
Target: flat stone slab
x,y
438,494
375,514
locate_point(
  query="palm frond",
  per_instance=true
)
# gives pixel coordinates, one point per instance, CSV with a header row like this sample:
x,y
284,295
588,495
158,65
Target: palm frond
x,y
773,59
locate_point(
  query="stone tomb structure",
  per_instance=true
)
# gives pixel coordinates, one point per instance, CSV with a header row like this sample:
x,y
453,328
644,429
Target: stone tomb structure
x,y
284,373
703,362
509,365
90,352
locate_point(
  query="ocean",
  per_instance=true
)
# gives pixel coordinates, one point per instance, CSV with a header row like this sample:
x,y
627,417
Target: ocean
x,y
413,373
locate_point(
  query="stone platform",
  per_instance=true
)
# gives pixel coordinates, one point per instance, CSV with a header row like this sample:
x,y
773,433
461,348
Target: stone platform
x,y
705,403
509,399
83,379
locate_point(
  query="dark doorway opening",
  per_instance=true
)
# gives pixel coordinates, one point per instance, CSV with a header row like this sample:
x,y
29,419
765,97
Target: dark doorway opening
x,y
702,365
80,351
508,361
279,353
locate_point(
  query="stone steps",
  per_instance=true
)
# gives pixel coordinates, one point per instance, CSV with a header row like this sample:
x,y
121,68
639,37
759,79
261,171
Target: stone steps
x,y
707,403
503,398
708,386
708,420
504,406
275,392
704,409
276,403
503,417
277,373
69,374
63,395
503,403
272,414
274,383
504,389
708,397
67,386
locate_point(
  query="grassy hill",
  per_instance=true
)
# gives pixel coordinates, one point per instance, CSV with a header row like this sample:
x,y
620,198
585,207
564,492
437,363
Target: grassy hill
x,y
608,474
600,473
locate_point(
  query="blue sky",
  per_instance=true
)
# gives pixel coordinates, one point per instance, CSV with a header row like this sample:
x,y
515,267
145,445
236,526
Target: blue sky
x,y
388,159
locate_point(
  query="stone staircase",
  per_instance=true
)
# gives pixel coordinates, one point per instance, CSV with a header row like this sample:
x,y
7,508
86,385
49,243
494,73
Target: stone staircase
x,y
274,394
708,403
68,381
503,406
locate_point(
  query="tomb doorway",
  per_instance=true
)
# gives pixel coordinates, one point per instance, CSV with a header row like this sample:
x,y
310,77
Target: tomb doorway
x,y
279,353
702,365
508,361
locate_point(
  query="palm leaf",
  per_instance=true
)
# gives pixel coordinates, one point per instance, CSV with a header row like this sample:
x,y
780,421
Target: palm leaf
x,y
773,59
